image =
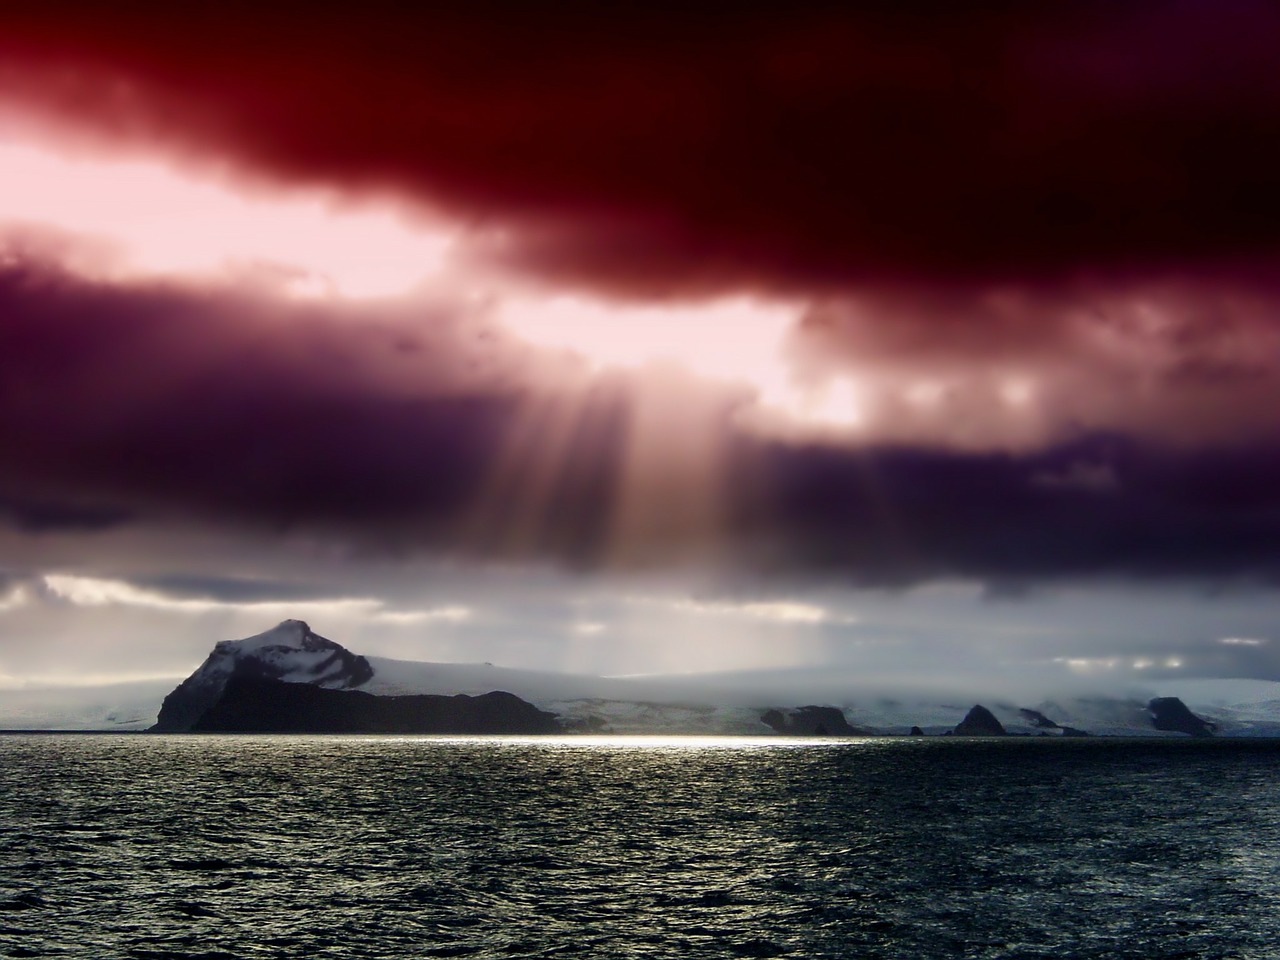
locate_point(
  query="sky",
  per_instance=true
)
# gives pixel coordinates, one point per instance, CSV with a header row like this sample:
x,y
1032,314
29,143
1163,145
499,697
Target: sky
x,y
889,339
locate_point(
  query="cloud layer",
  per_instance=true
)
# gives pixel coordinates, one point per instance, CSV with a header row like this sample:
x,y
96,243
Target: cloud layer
x,y
775,147
162,402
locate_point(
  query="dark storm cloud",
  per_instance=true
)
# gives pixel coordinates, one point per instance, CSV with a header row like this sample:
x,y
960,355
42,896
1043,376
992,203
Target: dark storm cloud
x,y
786,146
909,514
199,398
44,516
164,402
210,403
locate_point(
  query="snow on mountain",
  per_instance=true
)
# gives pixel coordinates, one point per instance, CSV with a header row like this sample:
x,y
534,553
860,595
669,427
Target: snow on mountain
x,y
732,703
290,651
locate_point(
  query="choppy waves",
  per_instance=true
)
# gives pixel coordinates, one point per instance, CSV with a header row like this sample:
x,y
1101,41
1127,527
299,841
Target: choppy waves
x,y
245,847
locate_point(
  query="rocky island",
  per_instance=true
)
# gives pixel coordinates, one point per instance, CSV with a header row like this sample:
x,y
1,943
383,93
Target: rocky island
x,y
292,680
811,721
980,722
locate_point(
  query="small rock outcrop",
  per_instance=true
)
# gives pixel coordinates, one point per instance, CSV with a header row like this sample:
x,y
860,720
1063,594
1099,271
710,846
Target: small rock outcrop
x,y
811,721
916,732
980,722
255,704
1171,714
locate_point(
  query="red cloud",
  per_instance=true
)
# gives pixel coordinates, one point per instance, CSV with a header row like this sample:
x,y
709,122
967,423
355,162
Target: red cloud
x,y
782,146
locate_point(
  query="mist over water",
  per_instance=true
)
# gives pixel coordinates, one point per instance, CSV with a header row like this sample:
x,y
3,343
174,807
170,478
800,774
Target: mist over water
x,y
238,847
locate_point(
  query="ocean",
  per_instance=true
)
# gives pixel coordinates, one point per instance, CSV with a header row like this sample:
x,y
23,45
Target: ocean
x,y
138,846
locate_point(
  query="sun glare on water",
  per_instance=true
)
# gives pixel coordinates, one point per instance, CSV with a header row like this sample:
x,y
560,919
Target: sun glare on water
x,y
614,742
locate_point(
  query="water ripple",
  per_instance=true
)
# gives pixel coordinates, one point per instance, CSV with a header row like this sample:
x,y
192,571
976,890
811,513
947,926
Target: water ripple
x,y
245,847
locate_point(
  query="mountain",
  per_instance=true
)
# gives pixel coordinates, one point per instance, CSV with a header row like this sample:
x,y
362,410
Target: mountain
x,y
290,652
981,722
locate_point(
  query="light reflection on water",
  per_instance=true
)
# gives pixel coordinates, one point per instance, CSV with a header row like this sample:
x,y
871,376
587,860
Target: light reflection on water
x,y
637,742
373,846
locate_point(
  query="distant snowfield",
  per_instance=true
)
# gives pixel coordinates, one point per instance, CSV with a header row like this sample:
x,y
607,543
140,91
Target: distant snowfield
x,y
725,703
116,706
731,703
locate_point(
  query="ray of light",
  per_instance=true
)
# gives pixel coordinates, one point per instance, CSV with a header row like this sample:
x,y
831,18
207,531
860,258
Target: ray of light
x,y
672,476
550,442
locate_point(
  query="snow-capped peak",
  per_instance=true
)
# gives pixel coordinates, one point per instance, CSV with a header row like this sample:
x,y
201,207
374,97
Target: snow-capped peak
x,y
292,635
289,651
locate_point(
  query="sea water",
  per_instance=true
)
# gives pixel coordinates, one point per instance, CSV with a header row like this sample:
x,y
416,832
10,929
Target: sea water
x,y
240,847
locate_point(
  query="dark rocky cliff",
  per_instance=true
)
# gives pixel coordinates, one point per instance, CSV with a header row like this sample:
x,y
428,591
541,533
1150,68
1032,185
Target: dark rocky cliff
x,y
811,721
980,722
255,704
1170,713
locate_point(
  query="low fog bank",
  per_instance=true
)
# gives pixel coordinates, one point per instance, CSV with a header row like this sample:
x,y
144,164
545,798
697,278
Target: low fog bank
x,y
115,706
743,688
